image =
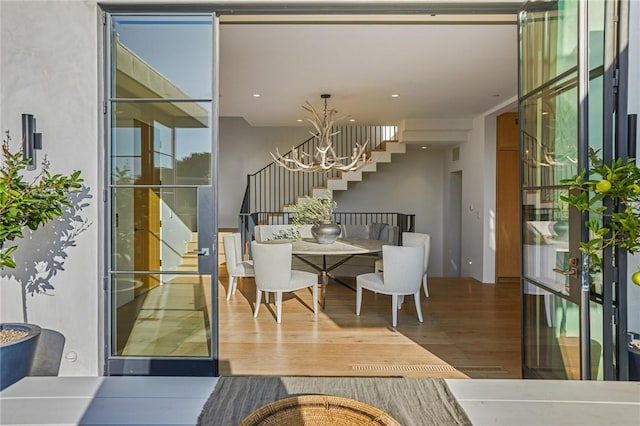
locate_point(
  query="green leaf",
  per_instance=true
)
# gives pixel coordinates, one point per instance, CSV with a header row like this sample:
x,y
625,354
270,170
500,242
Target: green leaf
x,y
28,203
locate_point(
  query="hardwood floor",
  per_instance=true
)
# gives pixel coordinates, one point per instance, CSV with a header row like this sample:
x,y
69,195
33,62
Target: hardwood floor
x,y
470,330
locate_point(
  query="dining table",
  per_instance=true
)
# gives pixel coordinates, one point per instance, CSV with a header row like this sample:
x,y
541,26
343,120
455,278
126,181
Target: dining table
x,y
349,247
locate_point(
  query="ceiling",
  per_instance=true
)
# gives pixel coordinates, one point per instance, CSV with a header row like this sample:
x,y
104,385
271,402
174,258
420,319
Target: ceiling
x,y
438,69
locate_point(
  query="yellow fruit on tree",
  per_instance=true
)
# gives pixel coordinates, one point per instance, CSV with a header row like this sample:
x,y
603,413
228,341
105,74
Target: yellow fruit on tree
x,y
636,278
603,186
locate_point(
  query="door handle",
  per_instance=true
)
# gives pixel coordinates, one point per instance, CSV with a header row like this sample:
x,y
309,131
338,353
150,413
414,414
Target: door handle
x,y
572,271
201,252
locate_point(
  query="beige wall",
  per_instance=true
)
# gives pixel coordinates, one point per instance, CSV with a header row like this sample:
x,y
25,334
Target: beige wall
x,y
412,183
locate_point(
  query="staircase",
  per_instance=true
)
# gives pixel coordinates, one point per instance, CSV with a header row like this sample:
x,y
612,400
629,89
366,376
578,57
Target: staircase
x,y
272,190
382,154
190,258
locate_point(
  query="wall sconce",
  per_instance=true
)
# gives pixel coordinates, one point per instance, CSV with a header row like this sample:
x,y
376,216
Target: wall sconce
x,y
30,140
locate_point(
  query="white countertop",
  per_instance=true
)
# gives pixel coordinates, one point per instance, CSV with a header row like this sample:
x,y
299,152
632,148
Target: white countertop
x,y
178,401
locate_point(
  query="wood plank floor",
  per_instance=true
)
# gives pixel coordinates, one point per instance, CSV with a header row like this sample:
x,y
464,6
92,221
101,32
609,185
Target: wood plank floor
x,y
470,330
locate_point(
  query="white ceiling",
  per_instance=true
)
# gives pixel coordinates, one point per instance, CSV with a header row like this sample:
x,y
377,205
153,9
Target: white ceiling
x,y
439,70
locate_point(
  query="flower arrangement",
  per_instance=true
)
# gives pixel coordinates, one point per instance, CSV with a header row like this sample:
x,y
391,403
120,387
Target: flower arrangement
x,y
314,211
287,234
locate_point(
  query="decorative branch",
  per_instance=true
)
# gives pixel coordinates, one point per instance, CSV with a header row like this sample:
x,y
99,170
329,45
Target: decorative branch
x,y
325,158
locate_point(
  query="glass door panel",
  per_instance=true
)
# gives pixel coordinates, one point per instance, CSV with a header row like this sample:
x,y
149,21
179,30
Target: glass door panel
x,y
161,56
556,334
154,229
599,315
548,33
553,333
545,241
550,118
166,143
172,319
162,147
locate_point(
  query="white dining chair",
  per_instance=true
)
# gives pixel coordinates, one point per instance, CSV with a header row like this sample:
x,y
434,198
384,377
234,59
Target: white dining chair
x,y
401,276
273,273
236,267
412,239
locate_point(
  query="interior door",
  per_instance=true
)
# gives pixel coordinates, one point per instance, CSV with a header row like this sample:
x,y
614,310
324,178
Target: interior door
x,y
567,60
508,266
161,115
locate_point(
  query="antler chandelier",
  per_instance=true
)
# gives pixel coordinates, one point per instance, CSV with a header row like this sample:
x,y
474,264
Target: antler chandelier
x,y
325,158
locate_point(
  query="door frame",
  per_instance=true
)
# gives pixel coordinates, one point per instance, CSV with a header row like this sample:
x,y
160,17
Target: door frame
x,y
359,11
207,219
615,145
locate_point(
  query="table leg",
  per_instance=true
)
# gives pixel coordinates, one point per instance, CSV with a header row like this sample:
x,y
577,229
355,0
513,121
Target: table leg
x,y
325,273
325,283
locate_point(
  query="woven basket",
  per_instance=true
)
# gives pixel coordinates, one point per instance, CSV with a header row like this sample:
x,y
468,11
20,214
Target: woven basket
x,y
312,410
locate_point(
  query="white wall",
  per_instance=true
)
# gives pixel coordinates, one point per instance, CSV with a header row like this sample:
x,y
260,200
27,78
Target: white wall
x,y
478,165
174,240
412,183
243,150
472,165
49,67
452,223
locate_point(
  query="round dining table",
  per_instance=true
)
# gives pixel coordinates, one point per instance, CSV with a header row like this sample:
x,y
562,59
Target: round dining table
x,y
348,247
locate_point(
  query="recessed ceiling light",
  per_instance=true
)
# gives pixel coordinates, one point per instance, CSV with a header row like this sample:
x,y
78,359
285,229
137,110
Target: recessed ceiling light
x,y
299,120
425,147
395,95
256,95
352,120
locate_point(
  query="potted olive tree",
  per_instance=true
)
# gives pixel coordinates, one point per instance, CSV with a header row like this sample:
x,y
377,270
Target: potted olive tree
x,y
620,182
25,203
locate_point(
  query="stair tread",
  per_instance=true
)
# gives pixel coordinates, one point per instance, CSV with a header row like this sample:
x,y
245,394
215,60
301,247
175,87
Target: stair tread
x,y
379,154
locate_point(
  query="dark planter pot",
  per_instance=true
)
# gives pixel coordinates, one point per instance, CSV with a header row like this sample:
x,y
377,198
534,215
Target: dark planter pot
x,y
634,356
16,357
634,364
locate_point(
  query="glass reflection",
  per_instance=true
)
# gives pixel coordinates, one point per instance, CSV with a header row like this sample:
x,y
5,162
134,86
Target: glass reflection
x,y
162,57
154,229
168,320
546,238
596,33
552,337
164,143
549,33
550,136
